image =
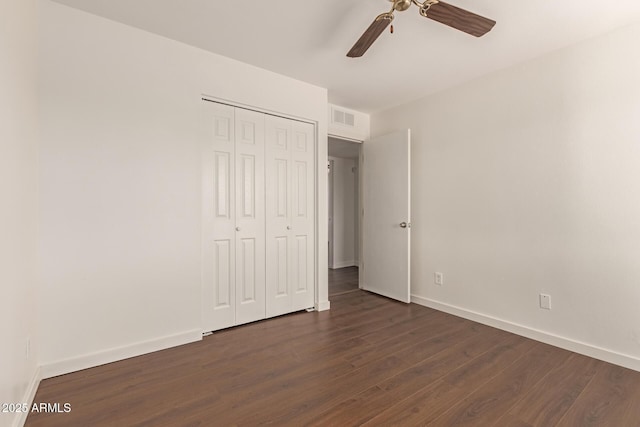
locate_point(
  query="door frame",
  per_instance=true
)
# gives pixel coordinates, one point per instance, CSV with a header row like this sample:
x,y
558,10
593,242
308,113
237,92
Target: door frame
x,y
319,305
330,166
359,186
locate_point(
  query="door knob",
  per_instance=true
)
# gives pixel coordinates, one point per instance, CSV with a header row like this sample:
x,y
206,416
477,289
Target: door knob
x,y
288,227
237,228
405,225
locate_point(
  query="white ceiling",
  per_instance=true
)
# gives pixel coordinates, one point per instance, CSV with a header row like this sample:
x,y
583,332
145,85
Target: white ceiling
x,y
308,40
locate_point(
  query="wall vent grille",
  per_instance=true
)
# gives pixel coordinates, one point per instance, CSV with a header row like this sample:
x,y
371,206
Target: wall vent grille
x,y
343,118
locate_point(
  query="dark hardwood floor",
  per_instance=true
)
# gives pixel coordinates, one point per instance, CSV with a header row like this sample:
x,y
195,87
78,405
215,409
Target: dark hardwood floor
x,y
343,280
367,361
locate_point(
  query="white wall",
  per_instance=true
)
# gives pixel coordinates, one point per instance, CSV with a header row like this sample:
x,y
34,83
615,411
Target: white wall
x,y
345,200
358,132
121,186
18,203
528,181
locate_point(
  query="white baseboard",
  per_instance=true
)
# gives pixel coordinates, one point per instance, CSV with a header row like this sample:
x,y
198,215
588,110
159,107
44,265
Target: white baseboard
x,y
343,264
324,306
600,353
29,395
66,366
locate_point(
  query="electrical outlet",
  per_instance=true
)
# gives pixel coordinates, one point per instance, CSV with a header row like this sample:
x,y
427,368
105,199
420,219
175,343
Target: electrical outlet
x,y
545,301
27,349
438,278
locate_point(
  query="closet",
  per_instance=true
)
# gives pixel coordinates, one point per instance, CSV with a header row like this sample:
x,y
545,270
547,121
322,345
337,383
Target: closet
x,y
258,216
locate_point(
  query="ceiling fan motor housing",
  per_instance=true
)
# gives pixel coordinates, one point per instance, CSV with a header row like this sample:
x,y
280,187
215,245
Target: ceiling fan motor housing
x,y
401,5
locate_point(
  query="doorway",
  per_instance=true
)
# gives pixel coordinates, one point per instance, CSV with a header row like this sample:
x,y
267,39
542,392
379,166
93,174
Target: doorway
x,y
344,216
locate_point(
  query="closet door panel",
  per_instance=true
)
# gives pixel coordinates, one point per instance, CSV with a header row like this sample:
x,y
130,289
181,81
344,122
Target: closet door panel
x,y
219,240
250,216
279,139
303,215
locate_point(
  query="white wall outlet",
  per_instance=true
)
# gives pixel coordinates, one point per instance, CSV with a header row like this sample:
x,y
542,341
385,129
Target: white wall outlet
x,y
27,349
545,301
438,278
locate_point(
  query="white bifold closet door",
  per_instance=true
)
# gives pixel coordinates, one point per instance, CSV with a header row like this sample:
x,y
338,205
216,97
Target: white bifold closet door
x,y
234,246
290,215
258,216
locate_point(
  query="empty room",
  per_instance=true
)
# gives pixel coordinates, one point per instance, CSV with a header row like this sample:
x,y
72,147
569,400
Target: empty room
x,y
332,213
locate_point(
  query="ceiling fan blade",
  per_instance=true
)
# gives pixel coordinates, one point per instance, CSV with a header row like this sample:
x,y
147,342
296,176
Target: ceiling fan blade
x,y
370,35
460,19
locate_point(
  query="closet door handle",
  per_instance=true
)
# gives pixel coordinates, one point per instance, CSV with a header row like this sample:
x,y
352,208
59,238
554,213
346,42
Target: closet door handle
x,y
237,228
288,227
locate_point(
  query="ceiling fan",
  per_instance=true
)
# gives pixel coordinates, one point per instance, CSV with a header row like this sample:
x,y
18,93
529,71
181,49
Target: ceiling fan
x,y
440,11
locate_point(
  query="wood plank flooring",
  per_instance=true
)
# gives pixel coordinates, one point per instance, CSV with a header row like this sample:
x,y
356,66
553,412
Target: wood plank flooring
x,y
343,280
368,361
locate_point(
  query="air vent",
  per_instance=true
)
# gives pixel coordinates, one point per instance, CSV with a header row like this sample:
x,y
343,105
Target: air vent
x,y
349,119
343,118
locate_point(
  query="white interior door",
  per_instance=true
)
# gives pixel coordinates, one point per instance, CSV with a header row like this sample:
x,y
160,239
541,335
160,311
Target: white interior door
x,y
219,240
303,216
250,219
278,191
387,215
233,217
258,216
290,215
